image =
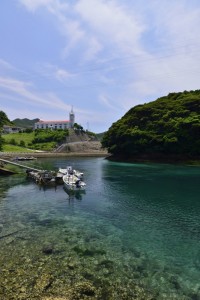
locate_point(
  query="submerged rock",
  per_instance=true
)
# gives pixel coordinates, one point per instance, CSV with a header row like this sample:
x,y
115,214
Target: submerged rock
x,y
43,283
48,249
88,252
83,289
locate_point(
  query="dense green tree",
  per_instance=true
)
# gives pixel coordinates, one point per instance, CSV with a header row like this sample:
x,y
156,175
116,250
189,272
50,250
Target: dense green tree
x,y
12,141
22,143
28,130
3,121
48,135
1,142
169,125
78,127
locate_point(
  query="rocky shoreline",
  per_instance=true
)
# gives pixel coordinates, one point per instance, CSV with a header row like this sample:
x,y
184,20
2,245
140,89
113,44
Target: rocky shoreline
x,y
53,154
156,158
74,149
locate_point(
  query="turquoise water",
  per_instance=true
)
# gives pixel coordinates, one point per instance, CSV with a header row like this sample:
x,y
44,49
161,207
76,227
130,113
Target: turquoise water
x,y
134,234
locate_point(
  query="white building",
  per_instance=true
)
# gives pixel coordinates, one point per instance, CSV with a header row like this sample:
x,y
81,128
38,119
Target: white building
x,y
11,129
65,124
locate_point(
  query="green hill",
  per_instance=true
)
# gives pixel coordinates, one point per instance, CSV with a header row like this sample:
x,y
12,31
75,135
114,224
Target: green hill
x,y
4,119
169,126
25,123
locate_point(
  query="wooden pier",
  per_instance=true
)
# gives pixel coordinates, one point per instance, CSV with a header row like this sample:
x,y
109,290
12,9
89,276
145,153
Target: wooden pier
x,y
43,177
19,165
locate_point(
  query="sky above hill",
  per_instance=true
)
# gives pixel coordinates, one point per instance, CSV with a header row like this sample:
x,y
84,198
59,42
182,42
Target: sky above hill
x,y
100,56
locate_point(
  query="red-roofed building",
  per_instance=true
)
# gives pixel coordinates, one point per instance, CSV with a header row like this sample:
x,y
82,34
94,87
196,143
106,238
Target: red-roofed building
x,y
65,124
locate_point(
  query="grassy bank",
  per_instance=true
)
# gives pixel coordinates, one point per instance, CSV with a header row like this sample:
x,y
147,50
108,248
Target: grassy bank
x,y
21,141
13,148
26,137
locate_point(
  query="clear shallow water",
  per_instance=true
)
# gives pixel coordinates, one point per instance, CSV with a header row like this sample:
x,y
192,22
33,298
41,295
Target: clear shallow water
x,y
134,234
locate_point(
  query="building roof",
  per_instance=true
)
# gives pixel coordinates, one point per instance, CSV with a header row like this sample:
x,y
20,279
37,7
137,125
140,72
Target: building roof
x,y
52,122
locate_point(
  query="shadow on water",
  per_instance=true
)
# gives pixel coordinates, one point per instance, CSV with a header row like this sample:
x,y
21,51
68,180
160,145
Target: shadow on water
x,y
74,194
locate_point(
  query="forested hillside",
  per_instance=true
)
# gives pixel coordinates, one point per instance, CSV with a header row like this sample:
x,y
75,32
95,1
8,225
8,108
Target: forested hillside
x,y
3,121
168,126
25,123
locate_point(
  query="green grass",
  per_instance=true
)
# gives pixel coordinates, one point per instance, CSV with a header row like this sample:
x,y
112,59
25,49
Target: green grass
x,y
12,148
26,137
48,146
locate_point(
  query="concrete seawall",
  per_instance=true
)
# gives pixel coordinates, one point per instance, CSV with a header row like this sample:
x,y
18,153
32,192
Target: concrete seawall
x,y
52,154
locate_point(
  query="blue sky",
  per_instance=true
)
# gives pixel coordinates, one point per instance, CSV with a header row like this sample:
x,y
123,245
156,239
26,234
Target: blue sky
x,y
100,56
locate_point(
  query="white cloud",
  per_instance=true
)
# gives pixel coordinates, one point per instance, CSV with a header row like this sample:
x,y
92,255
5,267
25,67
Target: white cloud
x,y
5,65
23,89
97,24
62,75
94,47
180,25
21,92
112,21
55,72
34,5
68,26
108,103
52,5
73,32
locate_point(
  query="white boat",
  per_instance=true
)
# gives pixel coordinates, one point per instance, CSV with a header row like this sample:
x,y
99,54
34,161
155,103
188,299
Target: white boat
x,y
70,171
73,183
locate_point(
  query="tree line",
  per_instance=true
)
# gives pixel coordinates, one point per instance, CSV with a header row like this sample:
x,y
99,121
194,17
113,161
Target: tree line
x,y
39,139
3,121
168,125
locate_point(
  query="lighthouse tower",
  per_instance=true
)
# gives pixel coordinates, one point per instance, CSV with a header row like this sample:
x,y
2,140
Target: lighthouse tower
x,y
71,118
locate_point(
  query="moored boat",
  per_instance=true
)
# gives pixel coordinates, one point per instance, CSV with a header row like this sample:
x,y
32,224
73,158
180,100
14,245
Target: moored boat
x,y
43,177
73,183
70,171
47,178
25,158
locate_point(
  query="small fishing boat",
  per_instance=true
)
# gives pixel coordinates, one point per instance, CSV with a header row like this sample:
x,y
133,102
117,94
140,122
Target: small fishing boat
x,y
25,158
42,177
70,171
47,178
73,183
